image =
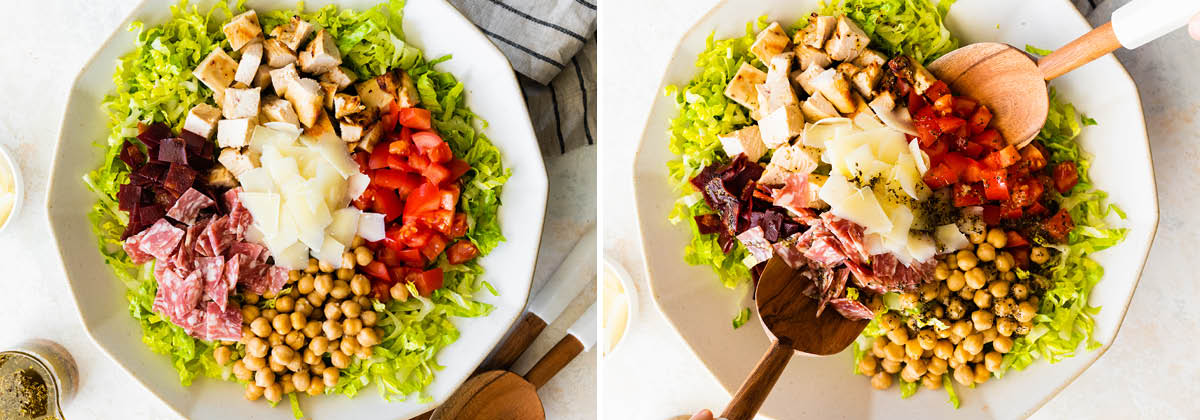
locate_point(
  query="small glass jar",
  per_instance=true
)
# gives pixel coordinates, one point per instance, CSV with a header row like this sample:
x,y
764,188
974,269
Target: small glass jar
x,y
56,365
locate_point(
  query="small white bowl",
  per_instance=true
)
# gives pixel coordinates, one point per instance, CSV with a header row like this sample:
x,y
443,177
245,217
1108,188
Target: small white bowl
x,y
631,296
18,187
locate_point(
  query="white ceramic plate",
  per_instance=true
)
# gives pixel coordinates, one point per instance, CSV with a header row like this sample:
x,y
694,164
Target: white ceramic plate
x,y
492,92
825,387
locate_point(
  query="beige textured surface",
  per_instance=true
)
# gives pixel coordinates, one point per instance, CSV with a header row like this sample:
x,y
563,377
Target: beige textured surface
x,y
1145,374
44,44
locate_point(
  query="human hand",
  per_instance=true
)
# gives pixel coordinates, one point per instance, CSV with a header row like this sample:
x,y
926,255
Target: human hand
x,y
703,415
1194,27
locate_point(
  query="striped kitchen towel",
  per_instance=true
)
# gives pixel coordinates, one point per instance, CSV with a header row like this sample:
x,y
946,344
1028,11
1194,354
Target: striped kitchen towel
x,y
552,46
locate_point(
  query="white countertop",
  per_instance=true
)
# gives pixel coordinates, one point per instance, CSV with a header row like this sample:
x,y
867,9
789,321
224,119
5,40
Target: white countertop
x,y
1149,372
44,44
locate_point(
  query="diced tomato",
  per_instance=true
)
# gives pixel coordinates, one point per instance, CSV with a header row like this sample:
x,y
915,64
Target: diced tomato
x,y
1010,211
428,281
399,163
412,257
460,226
425,198
973,150
927,132
415,118
366,199
426,140
441,153
401,272
377,270
413,235
461,252
440,220
418,163
1027,192
434,247
388,255
936,90
980,119
991,215
990,138
995,185
379,157
1059,225
968,195
436,173
1015,240
400,147
458,168
944,104
964,107
363,160
1006,157
915,103
1020,256
448,197
941,175
1033,156
388,203
937,150
950,123
1065,177
390,116
1036,209
381,291
391,178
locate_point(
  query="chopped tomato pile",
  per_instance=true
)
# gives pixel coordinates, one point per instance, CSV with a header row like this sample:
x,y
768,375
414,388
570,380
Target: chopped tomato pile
x,y
981,168
414,184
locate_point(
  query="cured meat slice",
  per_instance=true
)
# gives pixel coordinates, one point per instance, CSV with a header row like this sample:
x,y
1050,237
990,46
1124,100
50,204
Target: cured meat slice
x,y
172,151
825,251
233,271
190,290
852,309
758,246
792,254
135,252
850,235
795,194
218,235
252,251
188,206
216,288
222,324
194,323
277,277
161,239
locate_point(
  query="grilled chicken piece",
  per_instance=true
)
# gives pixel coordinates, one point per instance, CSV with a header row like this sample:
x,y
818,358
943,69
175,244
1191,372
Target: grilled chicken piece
x,y
283,77
276,109
240,103
742,88
770,42
217,72
235,133
202,120
293,33
278,53
780,126
817,32
848,41
307,99
809,57
834,87
243,30
252,56
748,141
339,76
817,108
321,55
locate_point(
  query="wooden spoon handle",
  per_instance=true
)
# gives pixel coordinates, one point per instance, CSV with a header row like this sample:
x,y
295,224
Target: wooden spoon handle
x,y
554,360
507,353
754,390
1081,51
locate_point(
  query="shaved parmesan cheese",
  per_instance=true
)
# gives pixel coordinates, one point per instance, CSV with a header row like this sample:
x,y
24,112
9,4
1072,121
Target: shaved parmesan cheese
x,y
923,161
254,235
268,135
333,150
265,209
344,225
950,238
921,247
371,226
836,190
257,180
862,164
331,252
294,257
356,184
820,132
863,208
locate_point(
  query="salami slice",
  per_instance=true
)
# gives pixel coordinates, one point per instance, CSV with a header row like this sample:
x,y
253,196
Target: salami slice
x,y
212,269
223,324
188,206
233,271
276,277
161,239
131,247
193,321
218,235
190,290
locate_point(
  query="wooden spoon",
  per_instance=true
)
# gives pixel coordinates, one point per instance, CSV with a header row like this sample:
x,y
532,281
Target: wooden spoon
x,y
1013,85
502,395
791,322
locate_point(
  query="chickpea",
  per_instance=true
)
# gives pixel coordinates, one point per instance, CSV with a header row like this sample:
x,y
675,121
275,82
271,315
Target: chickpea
x,y
282,323
257,347
999,289
264,378
293,276
285,304
997,238
881,381
275,366
249,312
340,290
908,375
359,285
312,267
878,346
928,291
976,278
358,242
241,371
325,267
1006,326
982,374
301,380
956,309
286,383
318,367
913,350
345,274
890,366
339,359
893,351
222,354
990,334
254,363
936,366
369,336
315,388
941,271
1039,255
399,292
330,376
351,309
926,339
943,334
315,299
363,256
303,307
246,333
943,349
982,320
918,367
323,284
308,357
973,344
982,299
1004,307
333,311
261,327
311,329
966,293
1033,300
253,392
1023,328
951,261
956,281
363,301
898,335
867,365
964,375
295,340
351,327
349,346
249,298
1025,312
296,365
908,300
273,393
1020,291
319,345
1002,344
1004,262
966,260
986,252
369,318
890,321
960,329
305,285
297,321
931,381
364,352
993,360
269,314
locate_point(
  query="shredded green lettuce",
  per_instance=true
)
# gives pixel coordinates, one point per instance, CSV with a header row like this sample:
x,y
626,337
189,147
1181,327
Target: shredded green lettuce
x,y
907,389
741,318
153,83
952,397
910,27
